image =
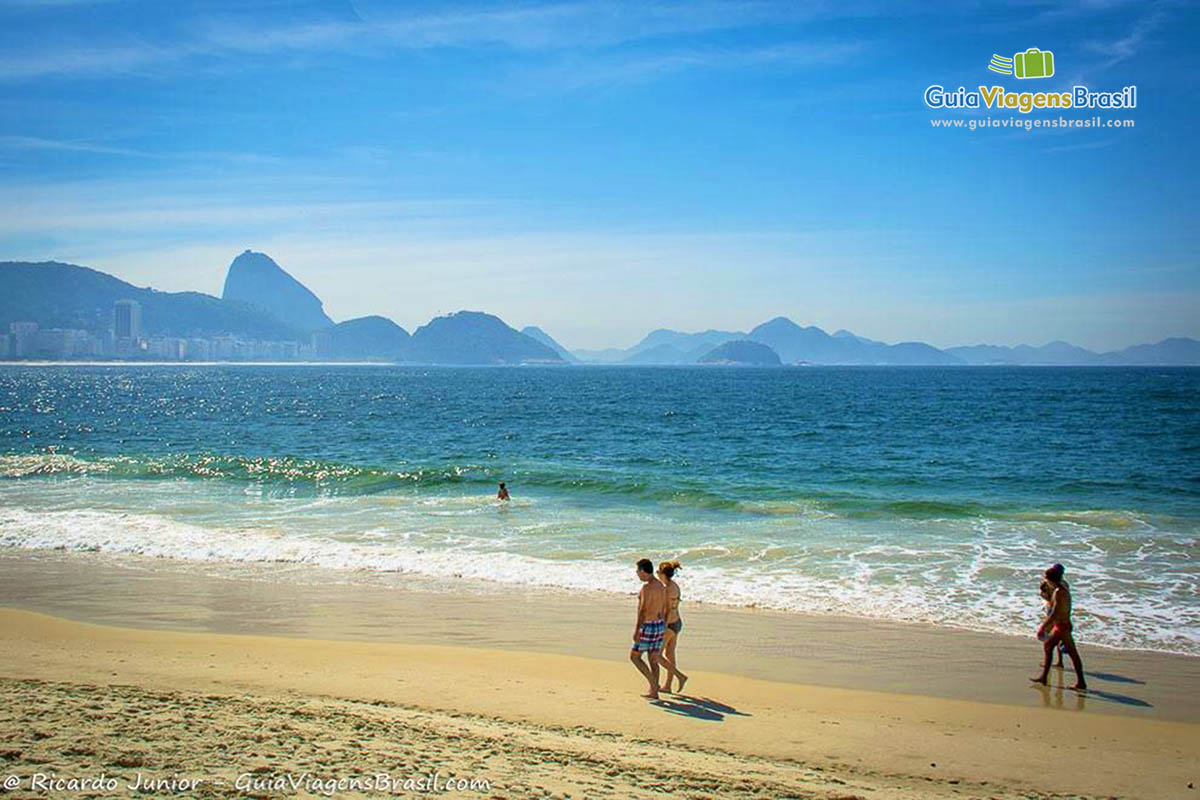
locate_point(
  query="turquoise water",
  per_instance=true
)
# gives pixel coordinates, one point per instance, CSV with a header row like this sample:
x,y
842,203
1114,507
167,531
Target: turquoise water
x,y
917,494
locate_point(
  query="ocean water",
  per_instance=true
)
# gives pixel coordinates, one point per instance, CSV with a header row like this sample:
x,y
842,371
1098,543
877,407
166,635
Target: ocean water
x,y
922,494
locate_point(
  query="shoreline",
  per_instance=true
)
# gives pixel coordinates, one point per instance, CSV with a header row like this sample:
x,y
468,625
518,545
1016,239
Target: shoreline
x,y
216,525
119,363
837,652
555,365
211,707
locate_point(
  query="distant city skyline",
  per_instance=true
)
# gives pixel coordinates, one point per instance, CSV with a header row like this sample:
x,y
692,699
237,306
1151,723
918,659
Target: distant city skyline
x,y
601,170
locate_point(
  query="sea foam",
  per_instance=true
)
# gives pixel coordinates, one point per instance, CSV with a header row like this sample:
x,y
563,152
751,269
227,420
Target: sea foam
x,y
985,591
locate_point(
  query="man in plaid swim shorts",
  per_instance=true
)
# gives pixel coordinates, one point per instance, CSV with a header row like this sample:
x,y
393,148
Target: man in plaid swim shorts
x,y
650,627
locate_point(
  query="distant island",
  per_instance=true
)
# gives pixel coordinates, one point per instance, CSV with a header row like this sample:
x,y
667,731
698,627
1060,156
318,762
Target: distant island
x,y
57,311
741,353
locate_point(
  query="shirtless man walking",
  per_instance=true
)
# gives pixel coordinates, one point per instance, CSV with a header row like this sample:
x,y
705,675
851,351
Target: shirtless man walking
x,y
1057,628
650,626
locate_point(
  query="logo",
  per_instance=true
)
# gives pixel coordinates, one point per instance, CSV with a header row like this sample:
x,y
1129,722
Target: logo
x,y
1001,64
1033,63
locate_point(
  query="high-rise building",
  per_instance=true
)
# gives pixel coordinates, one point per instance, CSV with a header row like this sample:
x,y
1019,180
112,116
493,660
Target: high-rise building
x,y
127,320
169,348
198,349
322,344
23,334
226,348
56,343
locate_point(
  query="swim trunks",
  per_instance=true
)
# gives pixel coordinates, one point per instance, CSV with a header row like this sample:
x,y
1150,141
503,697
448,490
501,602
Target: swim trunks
x,y
1060,629
650,636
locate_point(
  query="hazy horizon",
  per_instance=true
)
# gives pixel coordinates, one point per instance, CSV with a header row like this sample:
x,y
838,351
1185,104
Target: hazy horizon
x,y
602,170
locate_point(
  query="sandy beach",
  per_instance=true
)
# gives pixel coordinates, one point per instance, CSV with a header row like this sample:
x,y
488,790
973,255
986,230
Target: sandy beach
x,y
345,689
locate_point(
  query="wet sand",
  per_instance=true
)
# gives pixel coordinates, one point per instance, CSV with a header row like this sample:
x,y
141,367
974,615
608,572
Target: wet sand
x,y
843,652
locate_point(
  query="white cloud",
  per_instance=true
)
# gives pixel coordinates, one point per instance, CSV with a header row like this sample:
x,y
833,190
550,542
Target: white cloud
x,y
36,143
616,69
557,27
1117,50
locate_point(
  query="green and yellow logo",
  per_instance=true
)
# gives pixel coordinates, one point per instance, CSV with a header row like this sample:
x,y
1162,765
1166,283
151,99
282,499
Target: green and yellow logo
x,y
1033,63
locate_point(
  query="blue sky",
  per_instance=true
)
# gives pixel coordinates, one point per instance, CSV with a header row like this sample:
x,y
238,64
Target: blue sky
x,y
605,168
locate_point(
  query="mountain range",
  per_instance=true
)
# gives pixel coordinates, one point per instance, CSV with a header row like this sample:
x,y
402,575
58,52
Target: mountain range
x,y
795,344
262,301
57,295
1168,352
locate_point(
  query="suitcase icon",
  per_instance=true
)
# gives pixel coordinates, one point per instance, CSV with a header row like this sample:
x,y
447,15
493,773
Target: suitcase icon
x,y
1033,63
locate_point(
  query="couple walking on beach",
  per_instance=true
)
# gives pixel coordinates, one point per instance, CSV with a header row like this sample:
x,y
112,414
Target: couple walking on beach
x,y
1056,631
656,630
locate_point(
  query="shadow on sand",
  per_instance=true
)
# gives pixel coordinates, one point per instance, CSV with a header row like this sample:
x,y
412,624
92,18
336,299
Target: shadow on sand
x,y
1115,678
1054,696
703,708
1123,699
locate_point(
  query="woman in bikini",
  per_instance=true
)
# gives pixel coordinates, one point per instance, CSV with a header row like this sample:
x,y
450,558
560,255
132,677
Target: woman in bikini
x,y
666,574
1047,592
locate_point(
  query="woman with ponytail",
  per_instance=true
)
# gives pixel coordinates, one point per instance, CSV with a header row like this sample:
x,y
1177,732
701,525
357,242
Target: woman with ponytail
x,y
666,574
